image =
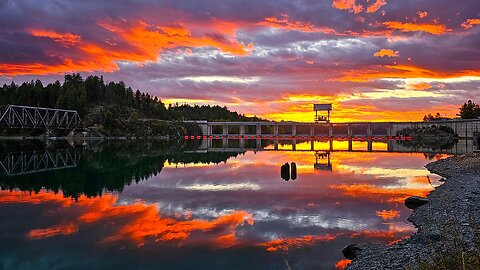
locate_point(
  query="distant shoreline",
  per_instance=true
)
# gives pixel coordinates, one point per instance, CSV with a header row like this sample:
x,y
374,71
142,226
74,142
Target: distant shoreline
x,y
66,138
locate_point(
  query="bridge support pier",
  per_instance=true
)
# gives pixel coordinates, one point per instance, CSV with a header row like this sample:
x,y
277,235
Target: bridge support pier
x,y
259,130
294,130
330,130
275,130
350,145
349,131
242,130
225,143
294,144
225,130
370,146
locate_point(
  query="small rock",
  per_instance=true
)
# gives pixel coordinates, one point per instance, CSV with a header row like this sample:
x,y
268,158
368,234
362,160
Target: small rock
x,y
415,201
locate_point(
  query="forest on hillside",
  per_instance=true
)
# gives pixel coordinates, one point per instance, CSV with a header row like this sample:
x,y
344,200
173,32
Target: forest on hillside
x,y
114,98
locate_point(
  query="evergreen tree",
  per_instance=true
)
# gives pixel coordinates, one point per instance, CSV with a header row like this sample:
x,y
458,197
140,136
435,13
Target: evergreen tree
x,y
469,110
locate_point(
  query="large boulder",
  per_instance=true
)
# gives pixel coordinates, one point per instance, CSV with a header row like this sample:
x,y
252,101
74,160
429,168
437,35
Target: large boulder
x,y
350,251
415,201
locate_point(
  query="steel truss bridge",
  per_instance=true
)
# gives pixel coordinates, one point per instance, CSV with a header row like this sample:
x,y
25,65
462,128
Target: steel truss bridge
x,y
21,163
26,117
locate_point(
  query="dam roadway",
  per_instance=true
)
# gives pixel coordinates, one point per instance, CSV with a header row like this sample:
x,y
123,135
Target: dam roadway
x,y
465,129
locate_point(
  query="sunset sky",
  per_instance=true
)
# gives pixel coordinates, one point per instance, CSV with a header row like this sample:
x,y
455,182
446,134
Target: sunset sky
x,y
374,60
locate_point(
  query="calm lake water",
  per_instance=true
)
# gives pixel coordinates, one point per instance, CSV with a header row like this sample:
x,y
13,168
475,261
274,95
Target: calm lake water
x,y
158,206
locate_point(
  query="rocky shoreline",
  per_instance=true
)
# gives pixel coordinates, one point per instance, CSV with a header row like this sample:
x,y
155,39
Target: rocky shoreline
x,y
448,224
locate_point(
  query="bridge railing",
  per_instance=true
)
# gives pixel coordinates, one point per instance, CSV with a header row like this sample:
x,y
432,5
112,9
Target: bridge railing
x,y
16,116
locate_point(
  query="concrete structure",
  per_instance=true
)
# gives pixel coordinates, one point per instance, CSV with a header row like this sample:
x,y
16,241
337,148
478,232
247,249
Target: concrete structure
x,y
463,146
464,128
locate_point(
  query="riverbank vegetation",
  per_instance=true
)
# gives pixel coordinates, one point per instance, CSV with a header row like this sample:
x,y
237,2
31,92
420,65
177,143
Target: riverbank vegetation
x,y
111,107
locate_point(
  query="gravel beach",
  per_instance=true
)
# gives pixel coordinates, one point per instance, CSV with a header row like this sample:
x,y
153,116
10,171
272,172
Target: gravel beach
x,y
449,222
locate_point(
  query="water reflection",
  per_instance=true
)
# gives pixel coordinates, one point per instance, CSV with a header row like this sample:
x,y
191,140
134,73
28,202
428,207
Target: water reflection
x,y
190,209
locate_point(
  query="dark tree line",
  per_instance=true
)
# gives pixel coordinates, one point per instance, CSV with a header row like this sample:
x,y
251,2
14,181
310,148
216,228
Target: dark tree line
x,y
469,110
82,95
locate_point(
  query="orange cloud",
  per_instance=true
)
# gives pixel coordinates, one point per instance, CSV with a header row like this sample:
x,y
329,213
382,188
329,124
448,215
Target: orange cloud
x,y
286,24
371,192
150,225
435,29
137,42
386,53
388,214
347,5
137,222
284,244
420,86
67,39
400,71
148,39
422,14
62,229
376,6
470,23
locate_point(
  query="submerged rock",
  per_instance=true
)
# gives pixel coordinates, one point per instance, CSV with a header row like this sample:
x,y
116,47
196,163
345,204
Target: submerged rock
x,y
415,201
